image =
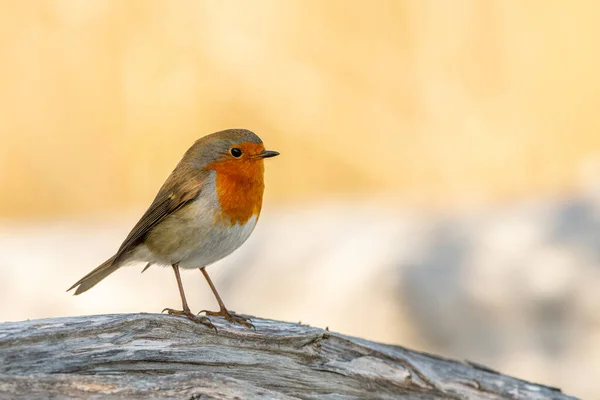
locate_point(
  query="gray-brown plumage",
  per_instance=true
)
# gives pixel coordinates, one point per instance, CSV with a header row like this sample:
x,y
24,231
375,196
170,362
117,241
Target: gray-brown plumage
x,y
207,208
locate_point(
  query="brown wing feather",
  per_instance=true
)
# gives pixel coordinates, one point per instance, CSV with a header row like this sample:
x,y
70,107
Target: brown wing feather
x,y
177,191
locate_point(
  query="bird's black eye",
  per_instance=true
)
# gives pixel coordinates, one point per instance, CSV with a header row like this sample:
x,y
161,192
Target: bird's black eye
x,y
236,152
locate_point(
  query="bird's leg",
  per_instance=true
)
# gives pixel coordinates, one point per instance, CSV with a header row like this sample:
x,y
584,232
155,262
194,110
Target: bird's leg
x,y
186,309
223,312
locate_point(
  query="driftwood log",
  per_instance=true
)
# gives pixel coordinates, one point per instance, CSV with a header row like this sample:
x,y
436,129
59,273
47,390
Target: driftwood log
x,y
162,356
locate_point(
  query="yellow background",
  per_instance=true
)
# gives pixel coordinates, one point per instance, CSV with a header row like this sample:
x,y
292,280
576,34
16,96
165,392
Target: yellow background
x,y
432,102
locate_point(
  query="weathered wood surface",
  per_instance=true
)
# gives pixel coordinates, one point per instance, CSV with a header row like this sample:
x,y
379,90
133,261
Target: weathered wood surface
x,y
136,356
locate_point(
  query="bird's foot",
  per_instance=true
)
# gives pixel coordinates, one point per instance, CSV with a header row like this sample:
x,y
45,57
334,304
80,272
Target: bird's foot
x,y
194,318
231,317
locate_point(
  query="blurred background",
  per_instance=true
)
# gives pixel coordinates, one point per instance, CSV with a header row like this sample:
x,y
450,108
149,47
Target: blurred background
x,y
438,185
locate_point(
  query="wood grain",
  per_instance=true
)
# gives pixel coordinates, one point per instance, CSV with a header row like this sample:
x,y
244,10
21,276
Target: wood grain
x,y
132,356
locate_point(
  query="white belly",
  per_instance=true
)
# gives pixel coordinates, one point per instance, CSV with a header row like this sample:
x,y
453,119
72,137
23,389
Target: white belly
x,y
222,241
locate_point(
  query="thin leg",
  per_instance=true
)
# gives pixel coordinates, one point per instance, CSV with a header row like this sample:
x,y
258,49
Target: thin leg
x,y
214,289
186,309
223,312
181,292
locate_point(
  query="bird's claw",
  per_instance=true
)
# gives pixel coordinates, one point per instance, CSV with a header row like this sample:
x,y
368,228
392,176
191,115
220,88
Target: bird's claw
x,y
194,318
230,317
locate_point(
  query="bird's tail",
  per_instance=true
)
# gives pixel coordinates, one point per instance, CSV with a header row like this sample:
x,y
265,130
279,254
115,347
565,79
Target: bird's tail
x,y
91,279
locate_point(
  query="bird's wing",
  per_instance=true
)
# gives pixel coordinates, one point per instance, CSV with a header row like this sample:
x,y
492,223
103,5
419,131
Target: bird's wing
x,y
174,194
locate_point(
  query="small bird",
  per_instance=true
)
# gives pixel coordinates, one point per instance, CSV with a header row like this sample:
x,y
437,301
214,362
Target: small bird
x,y
205,210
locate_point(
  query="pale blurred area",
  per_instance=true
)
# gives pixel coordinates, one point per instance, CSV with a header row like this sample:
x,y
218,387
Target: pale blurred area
x,y
438,185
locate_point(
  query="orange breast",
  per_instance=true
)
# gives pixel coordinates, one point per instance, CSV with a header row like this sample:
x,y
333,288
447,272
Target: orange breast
x,y
240,186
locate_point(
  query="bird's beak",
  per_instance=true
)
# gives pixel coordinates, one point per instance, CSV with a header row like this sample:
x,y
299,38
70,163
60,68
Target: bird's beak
x,y
267,154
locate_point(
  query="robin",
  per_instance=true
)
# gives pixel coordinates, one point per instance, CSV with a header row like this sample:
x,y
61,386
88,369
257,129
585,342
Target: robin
x,y
205,210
